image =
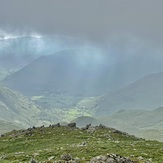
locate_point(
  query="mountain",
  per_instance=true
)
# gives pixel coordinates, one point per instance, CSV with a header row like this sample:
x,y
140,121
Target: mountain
x,y
17,51
144,94
133,68
146,124
82,72
73,71
21,111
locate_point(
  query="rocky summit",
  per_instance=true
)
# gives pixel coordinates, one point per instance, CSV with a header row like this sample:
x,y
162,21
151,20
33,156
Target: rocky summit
x,y
70,144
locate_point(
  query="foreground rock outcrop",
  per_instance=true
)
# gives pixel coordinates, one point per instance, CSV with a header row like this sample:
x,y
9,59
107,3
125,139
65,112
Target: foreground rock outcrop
x,y
110,158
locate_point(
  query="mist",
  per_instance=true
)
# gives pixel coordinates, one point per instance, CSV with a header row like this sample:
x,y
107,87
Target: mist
x,y
119,29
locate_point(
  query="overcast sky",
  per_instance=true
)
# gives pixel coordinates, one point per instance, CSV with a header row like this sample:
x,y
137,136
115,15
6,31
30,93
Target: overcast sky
x,y
97,20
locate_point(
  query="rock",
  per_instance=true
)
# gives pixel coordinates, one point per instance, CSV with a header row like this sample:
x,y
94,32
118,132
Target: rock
x,y
33,161
3,135
56,125
35,154
66,157
140,158
83,144
77,159
110,158
29,129
19,153
86,127
102,126
51,158
72,125
91,130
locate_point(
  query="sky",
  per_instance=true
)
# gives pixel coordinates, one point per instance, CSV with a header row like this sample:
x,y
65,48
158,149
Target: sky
x,y
94,20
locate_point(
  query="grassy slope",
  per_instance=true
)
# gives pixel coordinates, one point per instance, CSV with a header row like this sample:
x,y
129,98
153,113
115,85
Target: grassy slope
x,y
57,141
144,94
19,109
147,124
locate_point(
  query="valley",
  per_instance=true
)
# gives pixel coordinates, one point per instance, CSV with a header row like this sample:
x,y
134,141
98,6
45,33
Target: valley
x,y
61,98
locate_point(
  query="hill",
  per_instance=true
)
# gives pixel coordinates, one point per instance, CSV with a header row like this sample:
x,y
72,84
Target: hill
x,y
144,94
20,110
77,145
146,124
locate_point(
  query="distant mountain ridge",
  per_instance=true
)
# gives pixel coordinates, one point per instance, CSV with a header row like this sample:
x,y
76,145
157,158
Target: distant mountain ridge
x,y
134,68
17,51
82,72
66,71
144,94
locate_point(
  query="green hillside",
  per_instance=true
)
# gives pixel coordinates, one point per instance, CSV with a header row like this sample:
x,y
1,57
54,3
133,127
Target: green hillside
x,y
65,143
146,124
38,110
20,110
144,94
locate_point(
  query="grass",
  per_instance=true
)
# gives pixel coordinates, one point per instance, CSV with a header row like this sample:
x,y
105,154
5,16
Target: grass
x,y
18,147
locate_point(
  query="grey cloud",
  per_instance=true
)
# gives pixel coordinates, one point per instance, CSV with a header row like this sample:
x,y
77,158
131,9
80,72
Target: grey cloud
x,y
92,19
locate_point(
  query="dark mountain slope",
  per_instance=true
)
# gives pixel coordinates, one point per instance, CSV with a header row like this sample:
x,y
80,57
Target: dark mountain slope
x,y
18,51
145,94
82,72
134,68
63,72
